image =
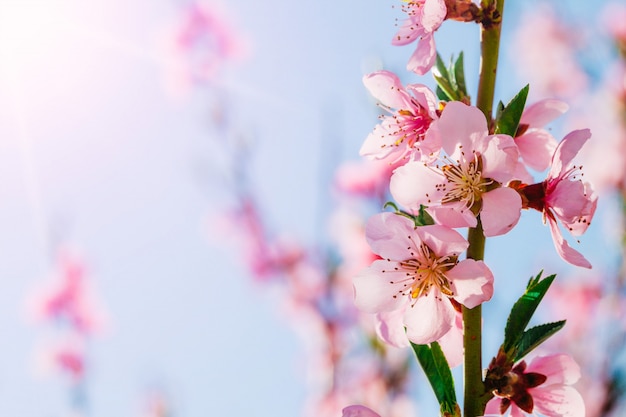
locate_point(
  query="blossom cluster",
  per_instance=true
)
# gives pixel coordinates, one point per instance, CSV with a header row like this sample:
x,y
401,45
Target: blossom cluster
x,y
456,167
461,174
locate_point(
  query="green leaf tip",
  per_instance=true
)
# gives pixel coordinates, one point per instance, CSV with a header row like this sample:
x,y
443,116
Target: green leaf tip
x,y
518,341
509,116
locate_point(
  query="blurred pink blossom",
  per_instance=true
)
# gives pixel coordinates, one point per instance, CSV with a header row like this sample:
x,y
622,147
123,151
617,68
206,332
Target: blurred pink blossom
x,y
203,41
69,298
71,360
366,178
605,165
614,19
544,51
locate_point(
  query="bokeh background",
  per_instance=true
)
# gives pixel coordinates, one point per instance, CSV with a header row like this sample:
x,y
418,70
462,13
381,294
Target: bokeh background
x,y
124,152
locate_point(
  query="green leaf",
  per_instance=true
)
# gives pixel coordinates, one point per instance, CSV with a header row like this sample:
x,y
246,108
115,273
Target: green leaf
x,y
423,218
509,118
534,336
499,109
440,67
437,370
445,85
459,75
524,309
441,95
444,81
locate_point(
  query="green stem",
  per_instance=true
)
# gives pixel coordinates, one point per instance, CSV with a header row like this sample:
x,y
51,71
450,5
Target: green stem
x,y
472,337
489,49
474,403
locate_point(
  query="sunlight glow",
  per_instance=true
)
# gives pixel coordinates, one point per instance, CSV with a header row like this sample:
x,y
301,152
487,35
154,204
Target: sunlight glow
x,y
30,31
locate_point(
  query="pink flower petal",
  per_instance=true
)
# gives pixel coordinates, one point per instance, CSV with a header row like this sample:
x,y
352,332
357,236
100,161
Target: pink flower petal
x,y
387,88
358,411
381,142
543,112
501,211
454,214
493,406
373,292
424,56
434,11
472,282
408,32
428,318
454,133
558,401
568,200
387,234
425,98
452,343
560,369
567,150
522,174
442,240
564,250
390,328
414,184
500,156
536,146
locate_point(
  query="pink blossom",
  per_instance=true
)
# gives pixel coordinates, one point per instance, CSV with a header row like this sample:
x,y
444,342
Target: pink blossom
x,y
67,357
68,299
358,411
402,134
419,272
543,387
553,74
365,178
423,18
564,196
614,20
469,180
605,165
536,145
267,257
71,361
203,41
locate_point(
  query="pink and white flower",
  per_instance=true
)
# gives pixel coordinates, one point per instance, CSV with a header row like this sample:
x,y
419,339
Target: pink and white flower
x,y
470,179
543,386
419,272
424,18
536,145
564,196
402,134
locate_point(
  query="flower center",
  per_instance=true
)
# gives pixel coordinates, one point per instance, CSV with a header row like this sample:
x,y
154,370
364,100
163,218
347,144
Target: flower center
x,y
464,182
512,387
409,127
426,271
